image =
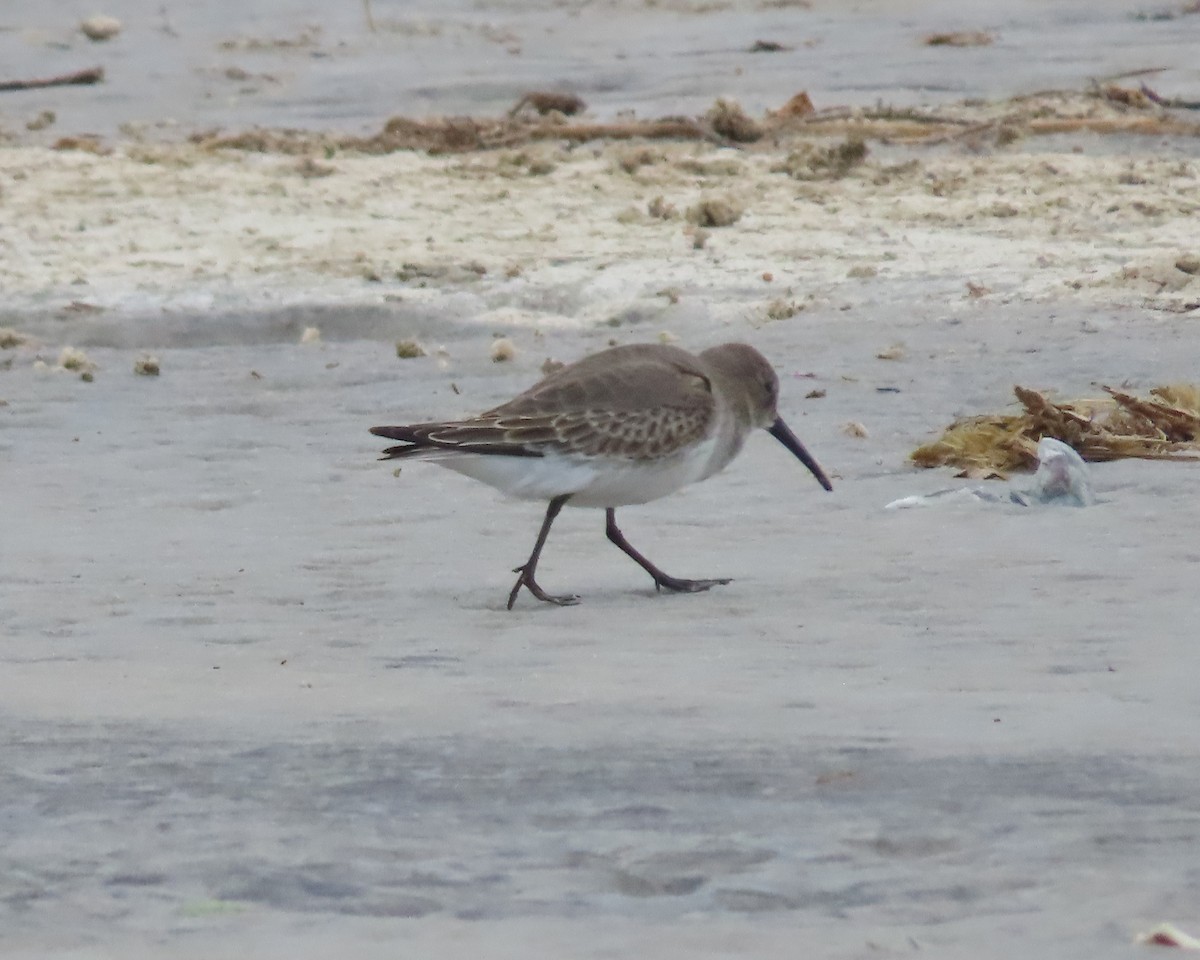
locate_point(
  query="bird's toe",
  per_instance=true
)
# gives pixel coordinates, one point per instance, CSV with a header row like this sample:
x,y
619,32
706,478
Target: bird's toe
x,y
677,585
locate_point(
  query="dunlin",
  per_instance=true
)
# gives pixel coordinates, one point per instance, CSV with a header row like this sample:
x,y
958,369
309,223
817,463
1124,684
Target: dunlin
x,y
626,425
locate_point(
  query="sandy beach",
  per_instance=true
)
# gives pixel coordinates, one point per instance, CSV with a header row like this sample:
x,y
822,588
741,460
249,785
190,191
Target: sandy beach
x,y
259,694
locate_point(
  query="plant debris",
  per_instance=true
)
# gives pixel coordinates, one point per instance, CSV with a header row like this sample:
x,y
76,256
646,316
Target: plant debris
x,y
311,169
730,121
549,102
1164,427
1102,109
88,143
660,209
1128,96
1178,103
146,365
75,360
714,212
812,162
960,38
800,105
409,349
10,338
79,77
782,308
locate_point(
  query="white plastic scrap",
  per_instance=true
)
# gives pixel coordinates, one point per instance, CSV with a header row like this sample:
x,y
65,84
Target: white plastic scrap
x,y
1168,935
1061,478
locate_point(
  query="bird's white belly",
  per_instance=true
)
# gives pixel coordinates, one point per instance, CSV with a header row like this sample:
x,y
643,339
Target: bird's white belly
x,y
591,482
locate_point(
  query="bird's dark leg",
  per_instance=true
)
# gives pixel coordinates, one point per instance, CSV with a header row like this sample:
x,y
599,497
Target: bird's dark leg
x,y
660,579
527,569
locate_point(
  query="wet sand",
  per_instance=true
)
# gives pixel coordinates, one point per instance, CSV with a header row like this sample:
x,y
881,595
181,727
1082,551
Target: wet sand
x,y
260,696
258,693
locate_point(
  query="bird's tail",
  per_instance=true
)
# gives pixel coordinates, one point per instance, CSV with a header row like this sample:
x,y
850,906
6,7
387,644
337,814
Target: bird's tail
x,y
415,441
434,441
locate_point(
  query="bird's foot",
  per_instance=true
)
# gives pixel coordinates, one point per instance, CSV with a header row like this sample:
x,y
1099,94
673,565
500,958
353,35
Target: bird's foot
x,y
526,580
676,585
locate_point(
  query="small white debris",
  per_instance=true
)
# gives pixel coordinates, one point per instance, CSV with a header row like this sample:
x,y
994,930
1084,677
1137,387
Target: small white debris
x,y
100,27
502,350
1061,475
961,495
906,503
1168,935
311,335
1061,478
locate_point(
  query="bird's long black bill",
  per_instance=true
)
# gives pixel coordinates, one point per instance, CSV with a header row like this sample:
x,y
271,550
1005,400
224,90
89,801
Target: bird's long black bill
x,y
779,430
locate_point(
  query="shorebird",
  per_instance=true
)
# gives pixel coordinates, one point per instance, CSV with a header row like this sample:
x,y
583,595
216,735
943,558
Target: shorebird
x,y
623,426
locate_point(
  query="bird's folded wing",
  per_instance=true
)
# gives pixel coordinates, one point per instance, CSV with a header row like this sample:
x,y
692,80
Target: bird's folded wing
x,y
636,435
655,402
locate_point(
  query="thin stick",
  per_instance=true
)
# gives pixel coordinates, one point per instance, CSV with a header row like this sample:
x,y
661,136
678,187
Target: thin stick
x,y
93,75
1176,102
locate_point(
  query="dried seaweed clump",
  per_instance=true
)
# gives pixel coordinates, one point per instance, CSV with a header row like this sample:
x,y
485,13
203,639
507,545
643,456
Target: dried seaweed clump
x,y
811,162
435,136
288,142
439,135
10,338
546,102
730,121
715,212
1164,427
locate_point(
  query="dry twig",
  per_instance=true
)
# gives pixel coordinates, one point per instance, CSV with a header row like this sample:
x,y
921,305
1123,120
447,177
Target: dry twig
x,y
79,77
